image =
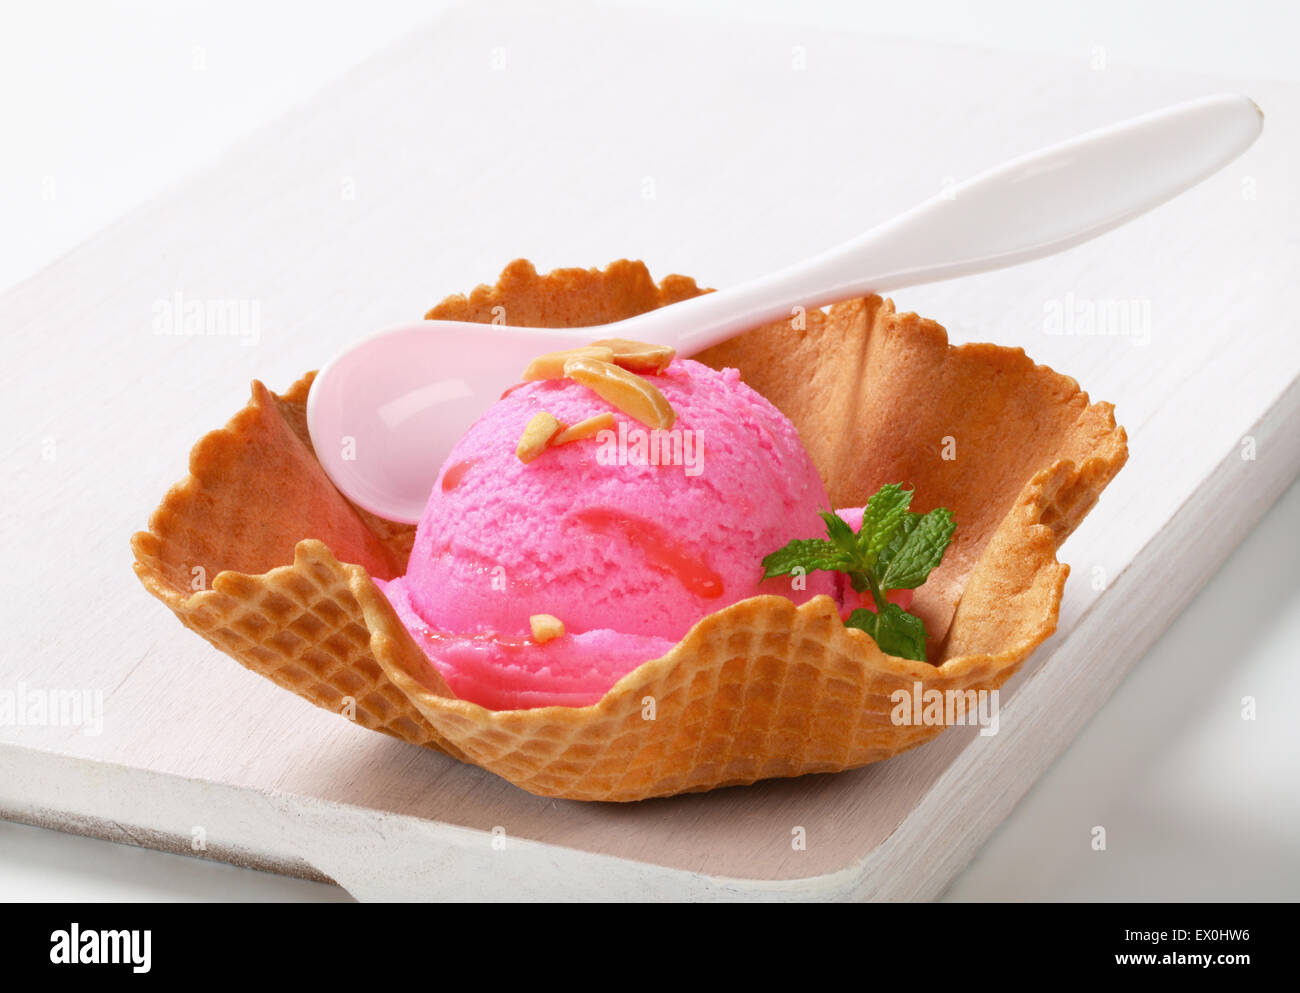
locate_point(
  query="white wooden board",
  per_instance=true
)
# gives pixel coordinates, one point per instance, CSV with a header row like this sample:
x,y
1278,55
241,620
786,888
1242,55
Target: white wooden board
x,y
718,150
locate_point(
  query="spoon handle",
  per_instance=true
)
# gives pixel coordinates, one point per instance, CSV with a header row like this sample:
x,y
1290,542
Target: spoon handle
x,y
1032,206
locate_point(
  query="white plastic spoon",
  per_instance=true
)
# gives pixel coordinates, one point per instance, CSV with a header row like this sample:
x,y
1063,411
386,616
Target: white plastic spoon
x,y
385,414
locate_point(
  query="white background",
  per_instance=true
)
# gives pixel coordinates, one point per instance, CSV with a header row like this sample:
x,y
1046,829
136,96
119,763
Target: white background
x,y
1200,807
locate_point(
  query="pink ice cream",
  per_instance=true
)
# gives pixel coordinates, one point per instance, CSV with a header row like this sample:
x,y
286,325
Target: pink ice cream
x,y
626,553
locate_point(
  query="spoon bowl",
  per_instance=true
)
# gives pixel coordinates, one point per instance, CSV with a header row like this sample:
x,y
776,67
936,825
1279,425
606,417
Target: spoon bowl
x,y
414,389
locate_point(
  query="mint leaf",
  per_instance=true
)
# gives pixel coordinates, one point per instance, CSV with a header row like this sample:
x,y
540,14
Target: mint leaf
x,y
895,630
881,518
841,534
920,551
808,554
887,553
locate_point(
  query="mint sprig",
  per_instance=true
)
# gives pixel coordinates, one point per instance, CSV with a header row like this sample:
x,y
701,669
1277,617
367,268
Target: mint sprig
x,y
894,549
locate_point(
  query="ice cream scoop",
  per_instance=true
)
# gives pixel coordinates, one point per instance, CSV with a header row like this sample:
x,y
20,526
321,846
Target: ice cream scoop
x,y
384,414
628,536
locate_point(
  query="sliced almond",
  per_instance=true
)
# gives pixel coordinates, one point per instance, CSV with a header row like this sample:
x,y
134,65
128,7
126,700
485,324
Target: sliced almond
x,y
627,391
537,435
551,365
545,627
584,429
637,356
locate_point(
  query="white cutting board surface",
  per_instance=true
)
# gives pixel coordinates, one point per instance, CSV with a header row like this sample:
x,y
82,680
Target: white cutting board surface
x,y
710,149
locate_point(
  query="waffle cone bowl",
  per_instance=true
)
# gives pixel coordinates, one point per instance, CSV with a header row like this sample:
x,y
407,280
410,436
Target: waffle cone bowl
x,y
757,690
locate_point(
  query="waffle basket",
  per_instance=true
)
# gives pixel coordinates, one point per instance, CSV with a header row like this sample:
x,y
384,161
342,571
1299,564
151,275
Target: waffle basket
x,y
757,690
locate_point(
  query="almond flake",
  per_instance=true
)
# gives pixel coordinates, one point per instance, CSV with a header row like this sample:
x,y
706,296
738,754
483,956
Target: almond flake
x,y
637,356
545,627
537,435
551,365
627,391
584,429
